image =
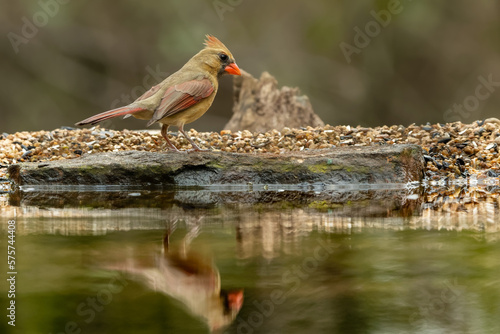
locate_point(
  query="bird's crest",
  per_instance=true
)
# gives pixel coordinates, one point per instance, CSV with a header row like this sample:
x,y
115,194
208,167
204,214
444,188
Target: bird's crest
x,y
214,43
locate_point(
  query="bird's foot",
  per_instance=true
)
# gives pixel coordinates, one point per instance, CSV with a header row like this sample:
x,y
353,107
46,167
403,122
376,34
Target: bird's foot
x,y
197,149
174,149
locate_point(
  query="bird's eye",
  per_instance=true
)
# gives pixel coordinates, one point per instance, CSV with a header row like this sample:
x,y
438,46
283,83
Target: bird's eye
x,y
223,57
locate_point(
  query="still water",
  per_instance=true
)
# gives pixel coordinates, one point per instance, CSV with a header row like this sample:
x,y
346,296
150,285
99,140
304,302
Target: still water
x,y
247,261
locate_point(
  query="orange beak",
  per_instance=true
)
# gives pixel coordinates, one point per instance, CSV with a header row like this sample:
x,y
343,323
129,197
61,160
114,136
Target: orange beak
x,y
232,69
235,300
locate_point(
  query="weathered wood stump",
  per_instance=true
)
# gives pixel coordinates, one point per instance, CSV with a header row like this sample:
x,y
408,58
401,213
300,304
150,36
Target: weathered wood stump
x,y
260,105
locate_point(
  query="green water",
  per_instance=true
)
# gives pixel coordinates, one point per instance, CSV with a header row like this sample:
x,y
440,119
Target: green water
x,y
312,267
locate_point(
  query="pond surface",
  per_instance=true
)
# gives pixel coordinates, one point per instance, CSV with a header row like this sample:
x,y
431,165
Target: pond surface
x,y
267,261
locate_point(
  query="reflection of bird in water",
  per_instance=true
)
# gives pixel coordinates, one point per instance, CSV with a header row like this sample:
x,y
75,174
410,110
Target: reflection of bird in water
x,y
191,279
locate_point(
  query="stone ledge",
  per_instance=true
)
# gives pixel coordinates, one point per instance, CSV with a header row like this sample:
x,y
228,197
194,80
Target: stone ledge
x,y
363,164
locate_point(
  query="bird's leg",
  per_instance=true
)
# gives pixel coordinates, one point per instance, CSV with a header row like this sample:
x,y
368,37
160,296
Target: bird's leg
x,y
164,133
166,240
189,237
166,243
193,144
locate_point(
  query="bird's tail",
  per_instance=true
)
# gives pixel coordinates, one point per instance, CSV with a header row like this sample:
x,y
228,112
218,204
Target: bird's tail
x,y
122,111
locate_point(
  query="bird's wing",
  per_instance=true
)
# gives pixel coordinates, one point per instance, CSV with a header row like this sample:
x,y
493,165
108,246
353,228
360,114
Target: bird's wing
x,y
180,97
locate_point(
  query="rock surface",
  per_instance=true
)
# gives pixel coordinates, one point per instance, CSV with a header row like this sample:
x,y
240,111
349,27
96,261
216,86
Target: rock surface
x,y
383,164
260,105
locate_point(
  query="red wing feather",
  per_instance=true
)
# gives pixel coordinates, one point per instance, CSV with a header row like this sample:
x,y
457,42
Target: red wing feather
x,y
181,97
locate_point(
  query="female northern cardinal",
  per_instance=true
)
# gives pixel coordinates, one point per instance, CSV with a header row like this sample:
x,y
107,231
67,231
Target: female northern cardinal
x,y
184,96
187,276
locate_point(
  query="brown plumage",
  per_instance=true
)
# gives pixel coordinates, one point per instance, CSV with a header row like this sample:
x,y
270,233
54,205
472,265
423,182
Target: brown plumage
x,y
186,275
184,96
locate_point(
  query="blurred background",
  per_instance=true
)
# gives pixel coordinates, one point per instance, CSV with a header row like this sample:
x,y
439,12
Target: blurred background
x,y
360,62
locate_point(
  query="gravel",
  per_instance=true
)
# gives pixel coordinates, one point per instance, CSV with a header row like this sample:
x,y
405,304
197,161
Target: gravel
x,y
452,151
